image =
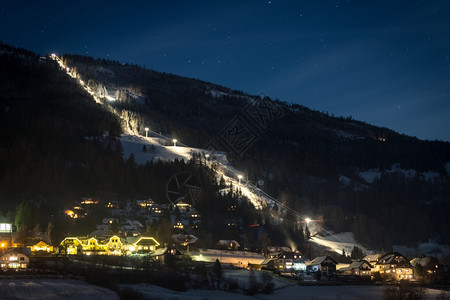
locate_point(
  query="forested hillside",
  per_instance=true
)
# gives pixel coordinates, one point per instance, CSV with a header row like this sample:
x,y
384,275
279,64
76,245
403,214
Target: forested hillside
x,y
57,144
311,161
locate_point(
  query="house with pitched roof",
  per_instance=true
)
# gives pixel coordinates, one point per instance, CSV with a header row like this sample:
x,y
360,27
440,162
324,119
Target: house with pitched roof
x,y
15,258
425,266
394,266
324,264
285,261
361,268
113,245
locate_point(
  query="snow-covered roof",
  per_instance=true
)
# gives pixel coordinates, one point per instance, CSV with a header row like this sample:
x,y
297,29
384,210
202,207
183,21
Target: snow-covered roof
x,y
424,261
356,265
393,258
160,251
319,260
372,258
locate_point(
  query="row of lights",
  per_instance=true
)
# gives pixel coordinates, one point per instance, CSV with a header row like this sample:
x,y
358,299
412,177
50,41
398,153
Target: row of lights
x,y
239,176
174,140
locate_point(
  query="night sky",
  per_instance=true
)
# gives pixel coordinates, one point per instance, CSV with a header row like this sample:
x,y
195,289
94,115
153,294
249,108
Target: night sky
x,y
383,62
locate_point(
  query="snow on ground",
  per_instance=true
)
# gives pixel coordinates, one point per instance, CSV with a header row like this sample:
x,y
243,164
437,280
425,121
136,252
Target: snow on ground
x,y
156,292
348,135
370,175
241,276
345,180
52,289
338,242
434,248
431,248
217,94
430,175
286,293
237,258
133,144
408,173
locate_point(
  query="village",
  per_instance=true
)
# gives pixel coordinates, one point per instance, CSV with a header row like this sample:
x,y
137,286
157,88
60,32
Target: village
x,y
121,235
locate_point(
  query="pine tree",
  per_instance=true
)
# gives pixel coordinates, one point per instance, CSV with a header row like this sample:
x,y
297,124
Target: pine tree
x,y
217,272
307,232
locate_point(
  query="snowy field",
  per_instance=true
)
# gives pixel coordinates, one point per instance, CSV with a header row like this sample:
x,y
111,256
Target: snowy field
x,y
133,144
237,258
337,242
283,290
50,289
369,176
71,289
286,293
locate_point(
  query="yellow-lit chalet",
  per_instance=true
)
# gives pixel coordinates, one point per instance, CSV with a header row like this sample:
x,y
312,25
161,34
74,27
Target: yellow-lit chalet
x,y
41,247
113,245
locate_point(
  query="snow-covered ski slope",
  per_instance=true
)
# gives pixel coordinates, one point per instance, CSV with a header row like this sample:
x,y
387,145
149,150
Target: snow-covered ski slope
x,y
159,147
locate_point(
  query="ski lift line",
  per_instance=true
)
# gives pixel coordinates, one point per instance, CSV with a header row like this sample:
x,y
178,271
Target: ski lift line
x,y
167,138
231,170
279,203
255,188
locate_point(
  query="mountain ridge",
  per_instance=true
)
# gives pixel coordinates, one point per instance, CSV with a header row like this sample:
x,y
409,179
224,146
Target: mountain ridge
x,y
299,158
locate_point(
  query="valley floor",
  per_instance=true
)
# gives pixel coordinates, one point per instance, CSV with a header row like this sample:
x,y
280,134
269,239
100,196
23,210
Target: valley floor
x,y
50,289
73,289
285,293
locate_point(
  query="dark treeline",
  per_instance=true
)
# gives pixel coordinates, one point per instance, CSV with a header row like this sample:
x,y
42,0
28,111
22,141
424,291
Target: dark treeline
x,y
57,145
300,159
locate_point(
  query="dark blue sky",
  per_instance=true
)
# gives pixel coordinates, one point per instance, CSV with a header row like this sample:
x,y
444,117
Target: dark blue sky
x,y
383,62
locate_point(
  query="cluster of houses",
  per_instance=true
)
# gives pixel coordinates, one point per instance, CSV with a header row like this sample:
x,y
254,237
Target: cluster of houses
x,y
131,241
388,266
182,214
112,245
119,234
11,258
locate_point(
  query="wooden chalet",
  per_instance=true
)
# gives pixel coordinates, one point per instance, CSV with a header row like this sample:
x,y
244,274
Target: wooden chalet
x,y
15,258
394,266
285,261
360,268
324,264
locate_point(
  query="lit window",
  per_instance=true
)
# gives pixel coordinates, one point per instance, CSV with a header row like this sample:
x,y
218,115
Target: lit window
x,y
5,227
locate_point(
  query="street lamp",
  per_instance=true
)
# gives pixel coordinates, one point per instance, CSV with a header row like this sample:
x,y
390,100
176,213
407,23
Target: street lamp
x,y
308,220
240,177
146,131
174,142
